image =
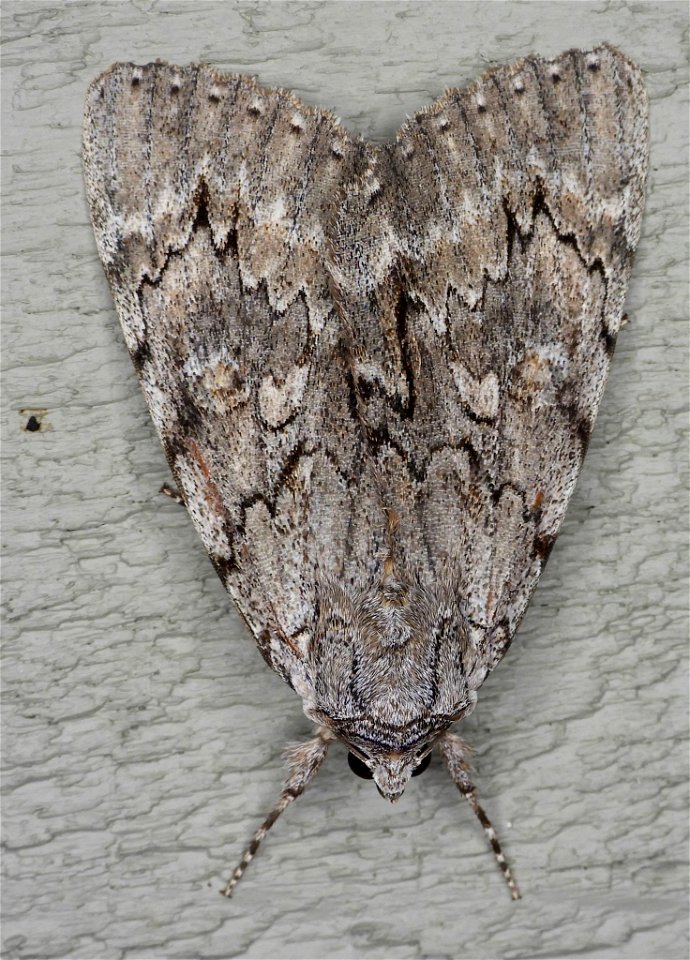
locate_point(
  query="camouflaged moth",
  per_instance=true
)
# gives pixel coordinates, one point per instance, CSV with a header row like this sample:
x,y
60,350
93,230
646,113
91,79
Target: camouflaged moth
x,y
374,369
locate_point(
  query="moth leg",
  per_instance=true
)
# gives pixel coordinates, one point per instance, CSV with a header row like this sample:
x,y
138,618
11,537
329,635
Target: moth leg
x,y
172,493
303,761
455,753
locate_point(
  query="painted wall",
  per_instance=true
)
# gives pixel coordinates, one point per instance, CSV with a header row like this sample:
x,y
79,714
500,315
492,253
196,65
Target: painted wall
x,y
142,731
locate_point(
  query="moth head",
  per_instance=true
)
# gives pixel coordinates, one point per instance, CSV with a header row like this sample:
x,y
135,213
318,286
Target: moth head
x,y
392,772
387,754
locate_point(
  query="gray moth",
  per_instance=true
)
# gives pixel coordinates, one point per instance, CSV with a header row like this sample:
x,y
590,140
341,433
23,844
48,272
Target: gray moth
x,y
374,369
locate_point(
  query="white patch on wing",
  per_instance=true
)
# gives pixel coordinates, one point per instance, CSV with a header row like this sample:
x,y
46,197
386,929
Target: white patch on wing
x,y
279,401
482,396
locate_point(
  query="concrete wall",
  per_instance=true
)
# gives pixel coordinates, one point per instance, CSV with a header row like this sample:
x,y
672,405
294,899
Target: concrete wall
x,y
142,731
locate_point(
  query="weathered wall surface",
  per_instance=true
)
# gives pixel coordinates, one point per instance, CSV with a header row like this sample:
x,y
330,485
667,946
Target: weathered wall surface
x,y
142,731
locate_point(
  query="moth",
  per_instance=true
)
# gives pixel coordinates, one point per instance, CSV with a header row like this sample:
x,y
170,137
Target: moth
x,y
374,369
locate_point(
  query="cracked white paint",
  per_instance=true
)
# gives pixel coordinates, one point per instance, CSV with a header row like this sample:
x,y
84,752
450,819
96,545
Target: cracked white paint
x,y
141,730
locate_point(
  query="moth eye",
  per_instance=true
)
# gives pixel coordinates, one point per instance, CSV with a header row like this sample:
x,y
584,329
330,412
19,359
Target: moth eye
x,y
359,767
423,765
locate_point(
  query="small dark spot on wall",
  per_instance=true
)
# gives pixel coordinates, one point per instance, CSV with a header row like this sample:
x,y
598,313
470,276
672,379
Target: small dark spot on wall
x,y
33,419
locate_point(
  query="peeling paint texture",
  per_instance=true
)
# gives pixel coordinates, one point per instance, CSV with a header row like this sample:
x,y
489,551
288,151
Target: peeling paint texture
x,y
141,729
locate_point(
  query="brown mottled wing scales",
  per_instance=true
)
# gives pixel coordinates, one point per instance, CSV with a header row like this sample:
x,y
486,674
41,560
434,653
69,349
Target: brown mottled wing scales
x,y
211,200
496,236
330,333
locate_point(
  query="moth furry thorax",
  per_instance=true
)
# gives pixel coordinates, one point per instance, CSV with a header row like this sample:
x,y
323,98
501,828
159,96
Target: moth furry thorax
x,y
390,668
374,369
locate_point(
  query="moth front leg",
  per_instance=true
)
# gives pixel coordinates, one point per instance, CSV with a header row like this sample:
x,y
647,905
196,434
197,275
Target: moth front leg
x,y
455,753
303,762
172,493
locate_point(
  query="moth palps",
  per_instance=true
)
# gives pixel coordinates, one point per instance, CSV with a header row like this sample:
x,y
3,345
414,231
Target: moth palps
x,y
374,369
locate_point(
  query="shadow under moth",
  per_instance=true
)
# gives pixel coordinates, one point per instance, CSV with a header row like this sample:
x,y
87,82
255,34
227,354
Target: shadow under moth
x,y
374,369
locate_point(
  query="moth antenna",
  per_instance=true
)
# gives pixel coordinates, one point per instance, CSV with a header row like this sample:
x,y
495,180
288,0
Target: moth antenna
x,y
455,752
303,761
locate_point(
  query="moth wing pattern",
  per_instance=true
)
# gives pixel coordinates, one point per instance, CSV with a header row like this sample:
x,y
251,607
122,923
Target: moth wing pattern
x,y
326,330
508,214
210,198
